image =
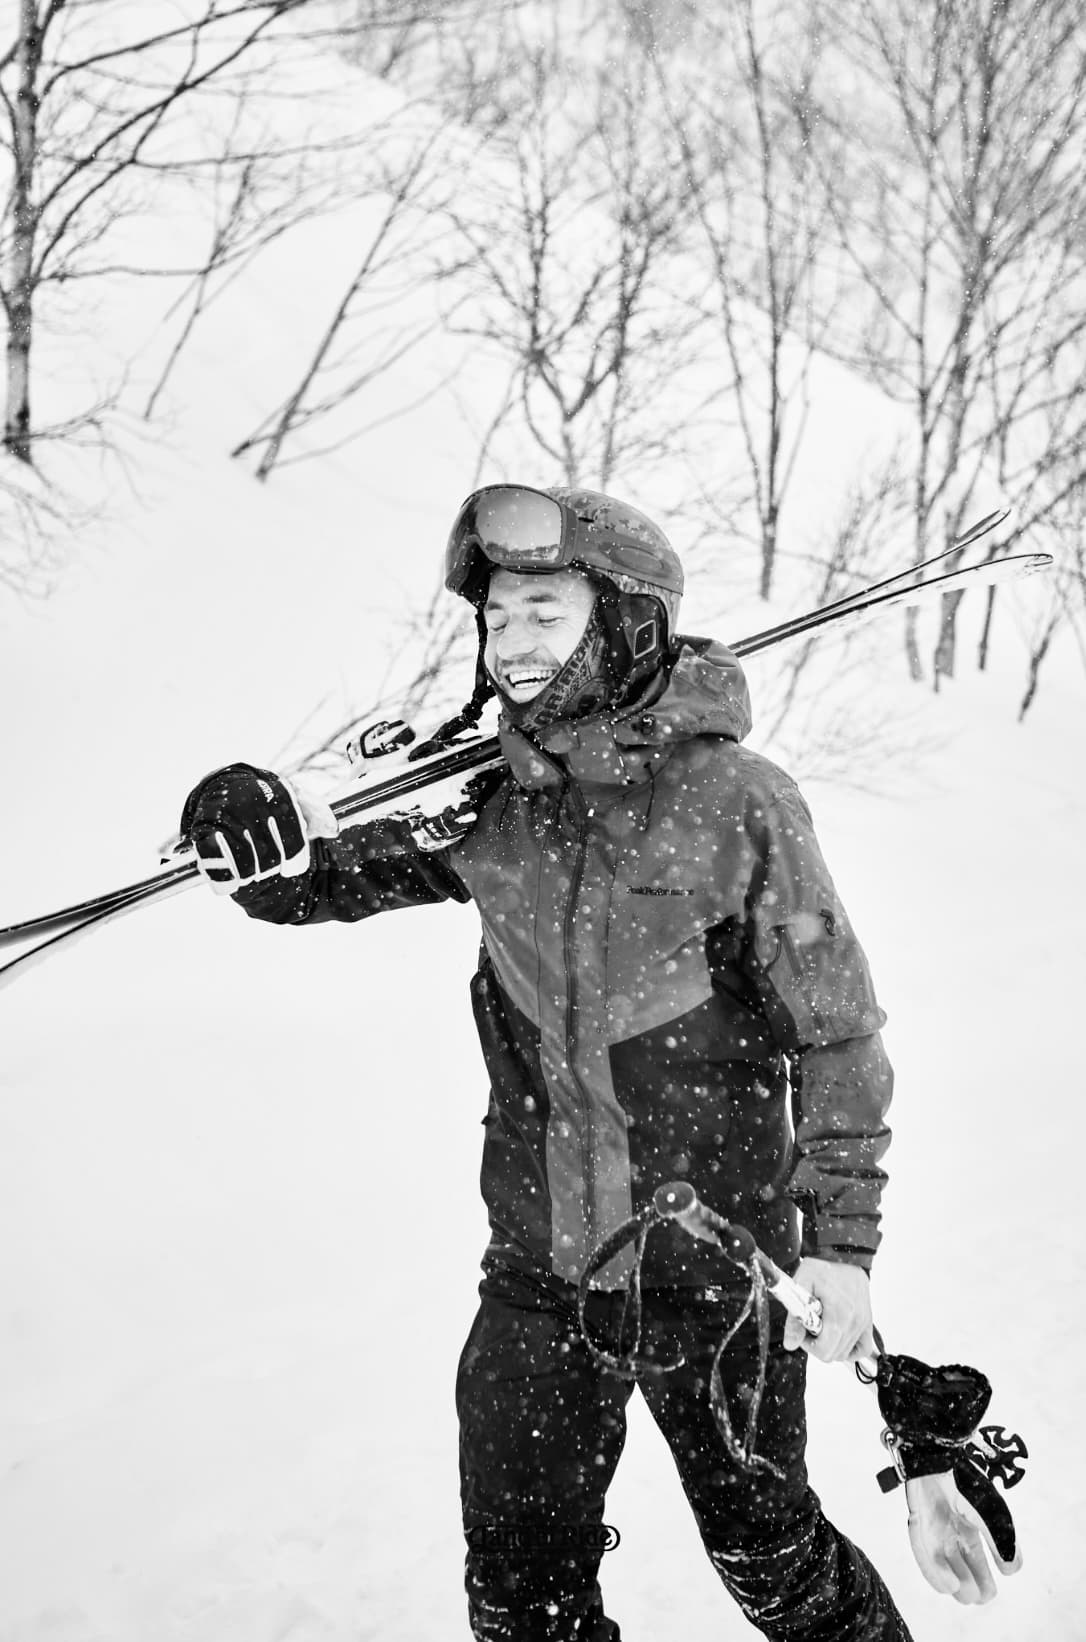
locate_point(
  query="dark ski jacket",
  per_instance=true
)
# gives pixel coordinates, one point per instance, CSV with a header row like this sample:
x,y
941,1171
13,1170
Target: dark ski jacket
x,y
669,987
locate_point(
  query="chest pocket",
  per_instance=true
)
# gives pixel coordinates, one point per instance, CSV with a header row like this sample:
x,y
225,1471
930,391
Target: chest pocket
x,y
655,950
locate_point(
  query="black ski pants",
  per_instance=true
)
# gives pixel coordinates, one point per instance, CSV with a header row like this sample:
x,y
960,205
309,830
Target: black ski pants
x,y
542,1427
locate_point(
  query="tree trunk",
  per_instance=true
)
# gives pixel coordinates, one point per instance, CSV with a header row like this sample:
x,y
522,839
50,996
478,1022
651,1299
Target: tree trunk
x,y
20,283
17,413
986,633
912,646
945,648
769,544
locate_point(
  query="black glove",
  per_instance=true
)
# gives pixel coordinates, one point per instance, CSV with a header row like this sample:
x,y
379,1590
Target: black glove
x,y
246,825
446,810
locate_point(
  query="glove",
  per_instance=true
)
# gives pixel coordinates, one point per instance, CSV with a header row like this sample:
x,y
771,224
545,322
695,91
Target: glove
x,y
452,809
451,806
948,1537
247,825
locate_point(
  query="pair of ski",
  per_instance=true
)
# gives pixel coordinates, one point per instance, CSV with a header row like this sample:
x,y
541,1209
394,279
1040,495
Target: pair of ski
x,y
378,794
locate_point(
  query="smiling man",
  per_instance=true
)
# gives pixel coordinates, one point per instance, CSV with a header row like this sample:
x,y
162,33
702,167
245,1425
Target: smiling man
x,y
533,629
669,988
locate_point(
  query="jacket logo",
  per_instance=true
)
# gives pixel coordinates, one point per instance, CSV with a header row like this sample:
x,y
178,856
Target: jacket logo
x,y
654,889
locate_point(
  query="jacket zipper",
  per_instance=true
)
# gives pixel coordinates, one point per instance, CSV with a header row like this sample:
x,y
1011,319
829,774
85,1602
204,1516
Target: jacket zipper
x,y
786,944
579,810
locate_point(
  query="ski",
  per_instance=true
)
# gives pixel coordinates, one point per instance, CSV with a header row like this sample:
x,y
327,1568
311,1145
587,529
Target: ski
x,y
861,604
902,581
370,795
378,792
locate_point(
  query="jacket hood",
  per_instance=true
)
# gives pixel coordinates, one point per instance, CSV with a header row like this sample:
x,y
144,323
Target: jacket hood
x,y
703,692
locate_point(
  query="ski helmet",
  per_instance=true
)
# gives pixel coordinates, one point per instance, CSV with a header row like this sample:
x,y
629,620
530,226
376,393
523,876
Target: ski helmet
x,y
628,558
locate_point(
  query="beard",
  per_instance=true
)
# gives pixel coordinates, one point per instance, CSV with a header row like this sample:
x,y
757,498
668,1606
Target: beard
x,y
582,685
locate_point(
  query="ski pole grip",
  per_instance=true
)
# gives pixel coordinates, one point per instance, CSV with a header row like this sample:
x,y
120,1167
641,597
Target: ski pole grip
x,y
800,1302
677,1200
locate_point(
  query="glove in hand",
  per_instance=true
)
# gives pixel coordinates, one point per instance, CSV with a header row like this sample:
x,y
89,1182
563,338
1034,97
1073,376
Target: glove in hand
x,y
450,806
452,809
247,825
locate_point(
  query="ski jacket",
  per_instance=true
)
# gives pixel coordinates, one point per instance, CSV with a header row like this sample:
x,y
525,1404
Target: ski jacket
x,y
668,987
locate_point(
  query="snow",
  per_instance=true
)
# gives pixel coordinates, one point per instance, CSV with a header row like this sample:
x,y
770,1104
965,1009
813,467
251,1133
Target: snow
x,y
239,1216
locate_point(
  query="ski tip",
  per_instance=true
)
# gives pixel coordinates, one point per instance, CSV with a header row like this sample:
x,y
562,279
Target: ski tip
x,y
990,522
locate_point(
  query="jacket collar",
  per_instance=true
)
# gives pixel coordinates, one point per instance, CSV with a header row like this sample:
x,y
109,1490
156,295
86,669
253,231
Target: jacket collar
x,y
703,693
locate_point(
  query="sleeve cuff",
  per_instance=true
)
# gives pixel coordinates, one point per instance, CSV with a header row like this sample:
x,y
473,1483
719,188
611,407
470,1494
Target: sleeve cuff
x,y
851,1242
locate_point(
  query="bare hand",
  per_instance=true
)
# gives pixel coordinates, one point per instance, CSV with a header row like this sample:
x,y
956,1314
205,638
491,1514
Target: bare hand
x,y
845,1295
948,1538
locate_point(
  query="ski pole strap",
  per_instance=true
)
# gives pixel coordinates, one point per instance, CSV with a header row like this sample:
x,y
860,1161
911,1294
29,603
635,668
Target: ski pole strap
x,y
630,1364
742,1452
677,1201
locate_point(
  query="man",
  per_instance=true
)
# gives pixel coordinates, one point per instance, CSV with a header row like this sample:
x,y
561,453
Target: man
x,y
669,988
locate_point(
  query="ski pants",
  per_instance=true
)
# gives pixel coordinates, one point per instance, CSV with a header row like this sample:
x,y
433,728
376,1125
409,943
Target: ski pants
x,y
542,1426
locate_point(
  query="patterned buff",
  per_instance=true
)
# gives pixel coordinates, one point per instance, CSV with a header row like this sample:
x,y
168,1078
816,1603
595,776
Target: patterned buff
x,y
582,685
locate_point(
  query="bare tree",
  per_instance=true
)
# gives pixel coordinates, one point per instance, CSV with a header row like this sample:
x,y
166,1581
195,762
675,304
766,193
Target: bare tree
x,y
417,44
35,522
441,644
568,245
565,272
256,188
967,127
843,562
89,93
1062,607
372,325
739,88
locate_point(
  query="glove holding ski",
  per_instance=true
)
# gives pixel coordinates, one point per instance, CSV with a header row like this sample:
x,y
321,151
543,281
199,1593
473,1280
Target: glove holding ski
x,y
247,825
452,809
946,1464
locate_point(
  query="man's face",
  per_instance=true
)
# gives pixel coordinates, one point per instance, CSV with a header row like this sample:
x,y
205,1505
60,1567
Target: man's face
x,y
533,624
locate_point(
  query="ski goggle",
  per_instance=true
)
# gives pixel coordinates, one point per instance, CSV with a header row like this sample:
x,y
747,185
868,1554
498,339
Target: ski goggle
x,y
513,527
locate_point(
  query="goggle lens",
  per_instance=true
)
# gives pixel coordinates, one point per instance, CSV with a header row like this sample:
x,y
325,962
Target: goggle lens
x,y
519,527
515,528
